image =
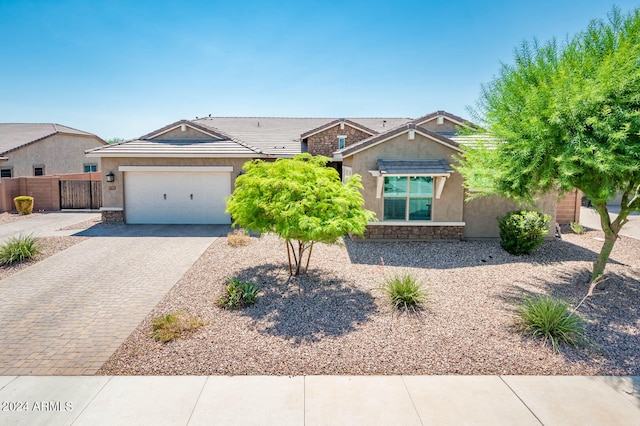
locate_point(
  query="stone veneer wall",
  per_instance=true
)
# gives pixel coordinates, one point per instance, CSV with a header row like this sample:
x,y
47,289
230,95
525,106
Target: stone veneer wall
x,y
113,216
394,232
326,142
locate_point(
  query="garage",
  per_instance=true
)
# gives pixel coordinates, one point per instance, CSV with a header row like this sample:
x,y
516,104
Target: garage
x,y
176,195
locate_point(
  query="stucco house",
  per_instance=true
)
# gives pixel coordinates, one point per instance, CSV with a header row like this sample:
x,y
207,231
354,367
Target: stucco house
x,y
182,172
37,149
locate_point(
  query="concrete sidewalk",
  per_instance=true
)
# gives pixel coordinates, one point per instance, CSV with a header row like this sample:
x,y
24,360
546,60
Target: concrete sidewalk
x,y
591,219
320,400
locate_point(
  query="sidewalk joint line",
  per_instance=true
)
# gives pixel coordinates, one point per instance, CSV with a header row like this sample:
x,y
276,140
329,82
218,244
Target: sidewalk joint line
x,y
198,399
411,399
92,399
521,400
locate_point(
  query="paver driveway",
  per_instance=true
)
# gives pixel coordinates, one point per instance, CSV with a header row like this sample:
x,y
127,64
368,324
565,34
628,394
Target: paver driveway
x,y
67,314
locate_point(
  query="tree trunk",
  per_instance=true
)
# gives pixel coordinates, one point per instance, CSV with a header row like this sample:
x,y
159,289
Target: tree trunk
x,y
611,230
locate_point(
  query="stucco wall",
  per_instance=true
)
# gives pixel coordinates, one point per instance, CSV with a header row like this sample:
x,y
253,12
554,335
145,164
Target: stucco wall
x,y
480,214
59,154
326,142
449,208
113,192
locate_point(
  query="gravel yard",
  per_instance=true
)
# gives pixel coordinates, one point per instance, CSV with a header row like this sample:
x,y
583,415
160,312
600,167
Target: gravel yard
x,y
8,217
335,320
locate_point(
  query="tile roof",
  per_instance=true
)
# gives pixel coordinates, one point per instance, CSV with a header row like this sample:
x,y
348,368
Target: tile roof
x,y
282,136
173,148
17,135
260,136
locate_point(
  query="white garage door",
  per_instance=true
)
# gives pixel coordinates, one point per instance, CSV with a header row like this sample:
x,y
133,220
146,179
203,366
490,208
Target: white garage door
x,y
170,196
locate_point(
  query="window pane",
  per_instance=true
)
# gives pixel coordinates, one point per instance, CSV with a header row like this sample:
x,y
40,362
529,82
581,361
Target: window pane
x,y
395,209
422,186
395,186
38,171
419,208
6,173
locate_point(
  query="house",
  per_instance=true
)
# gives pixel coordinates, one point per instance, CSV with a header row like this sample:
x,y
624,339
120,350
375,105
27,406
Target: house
x,y
183,172
37,149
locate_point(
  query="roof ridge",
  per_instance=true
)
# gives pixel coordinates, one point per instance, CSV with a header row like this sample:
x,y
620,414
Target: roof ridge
x,y
307,117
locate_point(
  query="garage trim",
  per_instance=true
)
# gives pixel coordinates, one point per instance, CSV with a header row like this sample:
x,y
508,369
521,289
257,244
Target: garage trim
x,y
175,168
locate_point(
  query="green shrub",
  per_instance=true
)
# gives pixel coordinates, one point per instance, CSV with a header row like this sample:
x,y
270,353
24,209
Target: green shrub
x,y
405,292
522,232
24,204
577,228
18,249
551,320
238,294
171,326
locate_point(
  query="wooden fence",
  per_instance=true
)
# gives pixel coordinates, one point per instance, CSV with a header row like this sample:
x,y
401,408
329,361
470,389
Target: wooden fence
x,y
80,194
54,192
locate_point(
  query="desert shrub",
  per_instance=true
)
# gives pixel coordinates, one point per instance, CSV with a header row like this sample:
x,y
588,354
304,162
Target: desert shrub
x,y
239,237
577,228
238,294
405,292
171,326
24,204
522,231
18,249
551,320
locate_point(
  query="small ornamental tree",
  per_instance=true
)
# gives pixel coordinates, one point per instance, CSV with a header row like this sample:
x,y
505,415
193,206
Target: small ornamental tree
x,y
301,200
563,116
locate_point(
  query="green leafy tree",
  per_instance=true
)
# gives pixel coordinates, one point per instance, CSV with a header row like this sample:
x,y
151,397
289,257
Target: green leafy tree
x,y
562,116
115,140
301,200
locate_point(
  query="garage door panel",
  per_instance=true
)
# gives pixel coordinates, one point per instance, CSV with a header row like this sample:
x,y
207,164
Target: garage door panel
x,y
176,197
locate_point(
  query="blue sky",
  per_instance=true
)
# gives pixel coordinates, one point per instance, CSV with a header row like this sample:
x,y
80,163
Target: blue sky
x,y
125,68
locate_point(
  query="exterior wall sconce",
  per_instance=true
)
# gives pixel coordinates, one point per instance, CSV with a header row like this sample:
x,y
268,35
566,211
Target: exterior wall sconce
x,y
110,177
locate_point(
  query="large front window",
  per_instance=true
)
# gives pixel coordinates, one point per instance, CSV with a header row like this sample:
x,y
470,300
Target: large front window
x,y
408,198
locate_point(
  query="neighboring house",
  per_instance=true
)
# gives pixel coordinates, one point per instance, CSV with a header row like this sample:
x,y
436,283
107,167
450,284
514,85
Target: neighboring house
x,y
37,149
183,172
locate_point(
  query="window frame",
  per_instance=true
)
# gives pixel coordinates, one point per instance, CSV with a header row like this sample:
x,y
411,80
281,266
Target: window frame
x,y
91,166
342,141
10,169
38,166
408,197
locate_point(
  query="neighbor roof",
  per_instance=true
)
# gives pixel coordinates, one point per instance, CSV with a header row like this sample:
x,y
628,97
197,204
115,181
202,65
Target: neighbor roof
x,y
17,135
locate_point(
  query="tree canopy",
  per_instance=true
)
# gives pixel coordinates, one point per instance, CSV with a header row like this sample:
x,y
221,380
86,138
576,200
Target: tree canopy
x,y
300,199
562,116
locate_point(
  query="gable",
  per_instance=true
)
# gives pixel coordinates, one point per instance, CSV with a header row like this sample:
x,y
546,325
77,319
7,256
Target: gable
x,y
185,130
443,123
343,124
401,136
188,134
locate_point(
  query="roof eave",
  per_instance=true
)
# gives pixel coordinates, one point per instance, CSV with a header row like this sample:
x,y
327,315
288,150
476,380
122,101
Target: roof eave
x,y
170,155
